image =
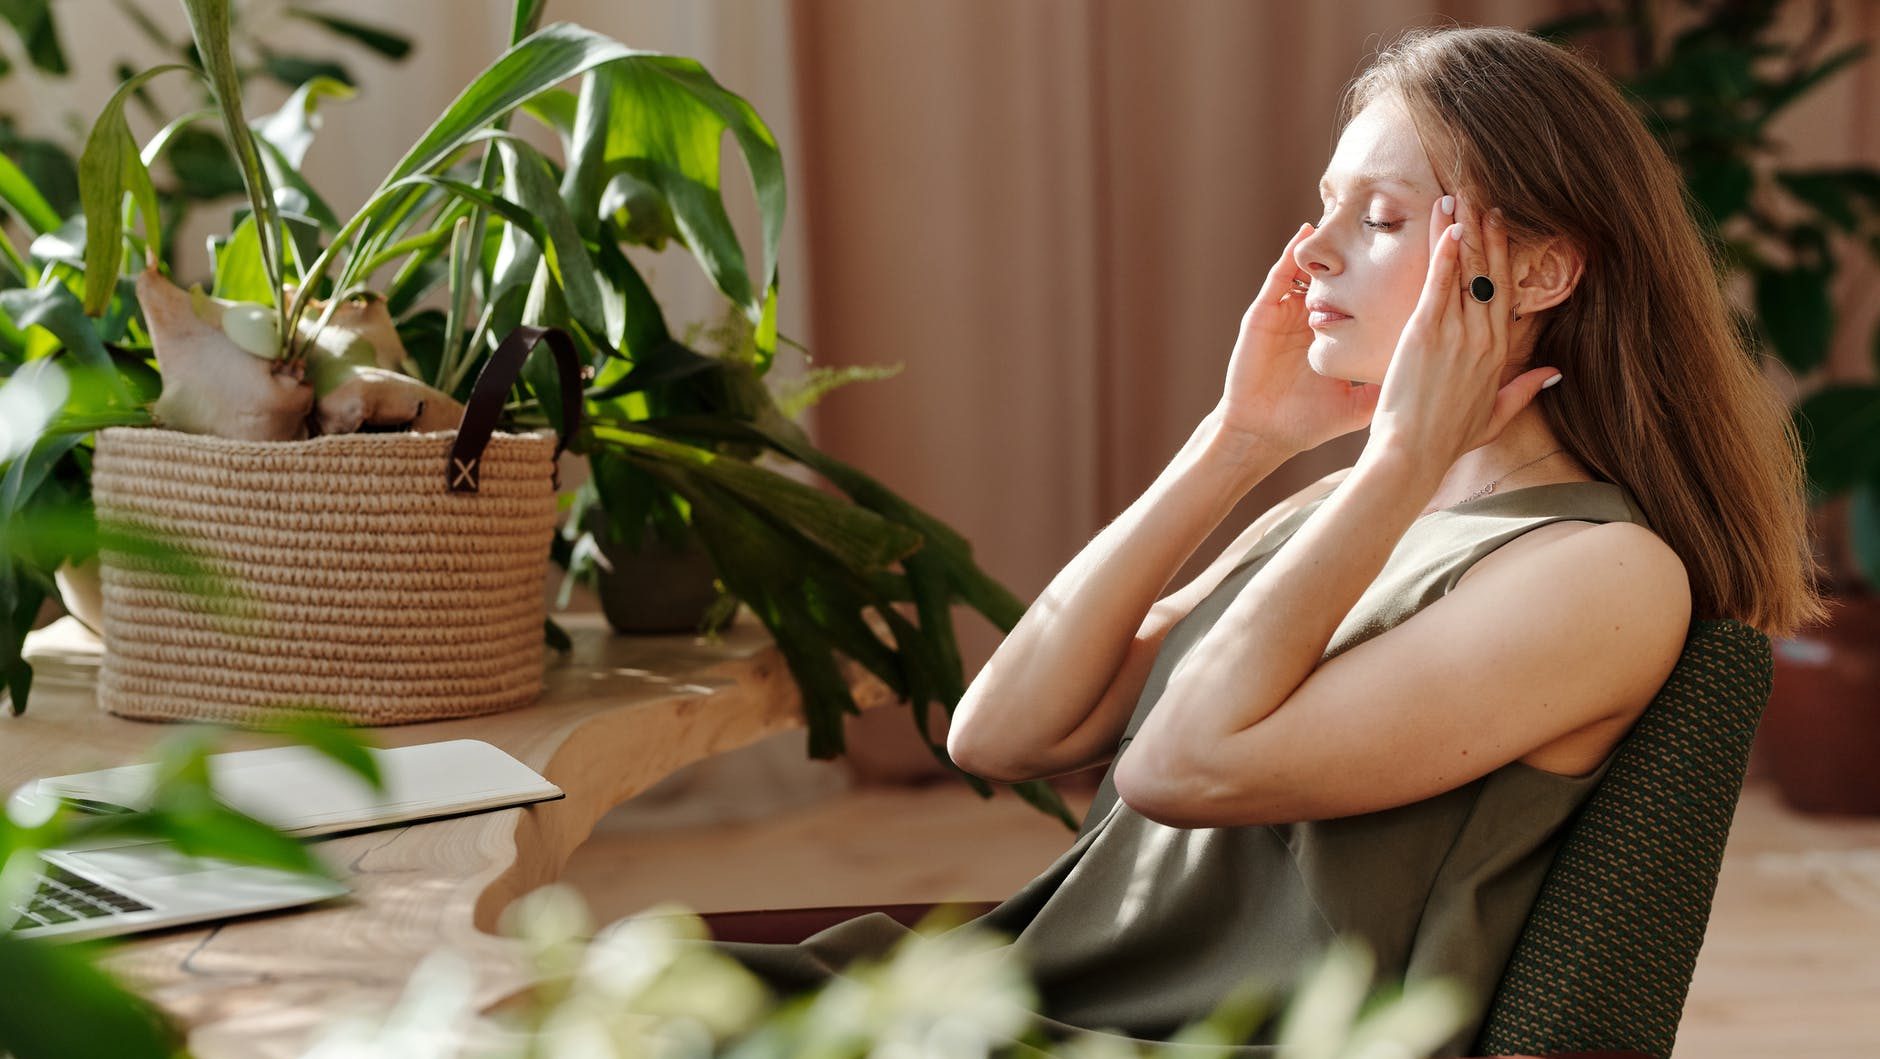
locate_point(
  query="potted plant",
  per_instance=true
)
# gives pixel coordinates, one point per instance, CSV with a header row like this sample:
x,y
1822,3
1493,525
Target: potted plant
x,y
507,237
1710,94
657,576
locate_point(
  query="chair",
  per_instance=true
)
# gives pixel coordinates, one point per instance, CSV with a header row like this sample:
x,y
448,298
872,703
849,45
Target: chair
x,y
1604,965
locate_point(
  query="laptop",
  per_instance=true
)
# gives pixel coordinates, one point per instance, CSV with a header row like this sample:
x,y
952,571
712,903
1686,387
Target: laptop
x,y
129,884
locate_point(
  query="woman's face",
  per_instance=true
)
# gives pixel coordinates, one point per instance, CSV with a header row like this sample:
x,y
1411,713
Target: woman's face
x,y
1370,251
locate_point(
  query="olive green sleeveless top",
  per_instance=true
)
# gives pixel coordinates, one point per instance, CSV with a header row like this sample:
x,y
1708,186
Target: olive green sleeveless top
x,y
1140,928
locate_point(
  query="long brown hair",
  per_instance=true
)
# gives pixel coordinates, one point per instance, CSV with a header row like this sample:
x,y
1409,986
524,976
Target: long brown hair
x,y
1662,395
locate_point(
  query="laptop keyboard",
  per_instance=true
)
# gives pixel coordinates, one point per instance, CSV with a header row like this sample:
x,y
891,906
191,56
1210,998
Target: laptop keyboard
x,y
62,897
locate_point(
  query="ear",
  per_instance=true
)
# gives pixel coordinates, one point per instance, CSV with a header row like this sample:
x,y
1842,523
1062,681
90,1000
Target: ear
x,y
1546,275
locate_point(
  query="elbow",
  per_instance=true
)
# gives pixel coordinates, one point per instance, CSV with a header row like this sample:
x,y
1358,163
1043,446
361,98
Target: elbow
x,y
1181,792
977,762
1151,785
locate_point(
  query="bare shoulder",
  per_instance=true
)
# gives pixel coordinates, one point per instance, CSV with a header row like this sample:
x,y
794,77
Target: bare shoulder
x,y
1647,589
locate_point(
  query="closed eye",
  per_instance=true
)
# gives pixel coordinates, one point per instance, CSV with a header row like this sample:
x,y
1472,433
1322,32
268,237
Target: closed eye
x,y
1381,226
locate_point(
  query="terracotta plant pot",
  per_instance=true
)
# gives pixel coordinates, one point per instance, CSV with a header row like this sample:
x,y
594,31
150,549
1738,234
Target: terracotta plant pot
x,y
1820,735
654,588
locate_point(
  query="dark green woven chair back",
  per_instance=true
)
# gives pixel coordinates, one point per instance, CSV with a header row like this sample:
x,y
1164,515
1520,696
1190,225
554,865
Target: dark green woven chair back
x,y
1606,957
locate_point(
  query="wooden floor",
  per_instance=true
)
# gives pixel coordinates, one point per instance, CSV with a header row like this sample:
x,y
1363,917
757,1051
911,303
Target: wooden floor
x,y
1790,966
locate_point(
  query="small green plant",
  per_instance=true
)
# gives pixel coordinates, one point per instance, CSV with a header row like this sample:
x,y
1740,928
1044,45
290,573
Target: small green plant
x,y
652,984
75,1008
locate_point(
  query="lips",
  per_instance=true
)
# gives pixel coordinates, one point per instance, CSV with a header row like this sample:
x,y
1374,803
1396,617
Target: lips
x,y
1327,308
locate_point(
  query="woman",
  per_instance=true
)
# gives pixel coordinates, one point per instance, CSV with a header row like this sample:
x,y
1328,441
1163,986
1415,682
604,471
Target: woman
x,y
1373,715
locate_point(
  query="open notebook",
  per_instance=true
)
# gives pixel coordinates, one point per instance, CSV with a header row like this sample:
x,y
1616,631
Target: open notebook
x,y
302,792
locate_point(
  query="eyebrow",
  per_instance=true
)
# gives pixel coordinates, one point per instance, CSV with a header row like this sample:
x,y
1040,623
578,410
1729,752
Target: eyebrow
x,y
1364,180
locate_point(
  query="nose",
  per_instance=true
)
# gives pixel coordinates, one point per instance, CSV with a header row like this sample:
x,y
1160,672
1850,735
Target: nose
x,y
1309,255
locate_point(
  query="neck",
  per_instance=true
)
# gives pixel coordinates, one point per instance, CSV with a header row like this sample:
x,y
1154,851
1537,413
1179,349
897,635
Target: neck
x,y
1525,439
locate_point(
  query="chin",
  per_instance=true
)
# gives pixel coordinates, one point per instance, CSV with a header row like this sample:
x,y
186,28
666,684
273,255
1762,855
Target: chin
x,y
1327,359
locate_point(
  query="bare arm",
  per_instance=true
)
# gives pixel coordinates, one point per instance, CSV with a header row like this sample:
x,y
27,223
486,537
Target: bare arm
x,y
1061,662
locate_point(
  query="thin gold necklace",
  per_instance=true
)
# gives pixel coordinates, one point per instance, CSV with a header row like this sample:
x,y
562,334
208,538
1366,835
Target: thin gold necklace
x,y
1490,487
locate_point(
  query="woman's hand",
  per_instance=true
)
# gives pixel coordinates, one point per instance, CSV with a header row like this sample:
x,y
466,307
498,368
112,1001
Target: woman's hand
x,y
1272,395
1442,394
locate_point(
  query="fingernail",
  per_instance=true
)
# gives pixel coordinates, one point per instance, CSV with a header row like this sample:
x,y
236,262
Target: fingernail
x,y
1494,216
1449,205
1551,381
1454,232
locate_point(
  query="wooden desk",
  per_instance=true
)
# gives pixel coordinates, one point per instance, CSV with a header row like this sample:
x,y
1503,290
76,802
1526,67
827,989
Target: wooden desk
x,y
619,714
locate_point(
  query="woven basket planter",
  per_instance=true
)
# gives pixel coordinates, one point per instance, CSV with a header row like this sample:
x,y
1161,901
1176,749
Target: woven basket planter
x,y
369,576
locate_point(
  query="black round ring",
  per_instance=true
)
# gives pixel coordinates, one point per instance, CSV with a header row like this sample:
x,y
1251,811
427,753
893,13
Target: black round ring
x,y
1482,289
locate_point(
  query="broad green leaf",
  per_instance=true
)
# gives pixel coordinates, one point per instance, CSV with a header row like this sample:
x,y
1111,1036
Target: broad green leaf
x,y
666,117
56,309
543,60
73,1007
239,272
1838,424
1797,314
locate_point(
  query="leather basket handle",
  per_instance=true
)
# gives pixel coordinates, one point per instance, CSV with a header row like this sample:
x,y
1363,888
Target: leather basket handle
x,y
493,383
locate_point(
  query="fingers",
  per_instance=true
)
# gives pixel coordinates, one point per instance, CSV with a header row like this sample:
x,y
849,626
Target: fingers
x,y
1278,286
1496,238
1475,326
1512,398
1440,284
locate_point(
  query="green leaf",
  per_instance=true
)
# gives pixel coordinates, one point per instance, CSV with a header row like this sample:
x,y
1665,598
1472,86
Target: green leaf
x,y
54,308
38,34
329,735
203,166
73,1008
19,195
1778,96
666,116
1825,192
1797,314
239,273
531,185
1721,185
296,70
555,109
284,175
109,166
862,539
385,42
1863,518
209,27
1838,425
542,61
